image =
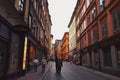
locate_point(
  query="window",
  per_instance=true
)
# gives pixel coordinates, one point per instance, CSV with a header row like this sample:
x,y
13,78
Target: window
x,y
84,61
96,57
3,53
21,5
4,31
88,2
95,34
82,42
94,14
35,4
104,28
39,12
84,24
116,20
102,4
88,19
30,20
89,38
84,9
118,55
107,57
78,33
81,28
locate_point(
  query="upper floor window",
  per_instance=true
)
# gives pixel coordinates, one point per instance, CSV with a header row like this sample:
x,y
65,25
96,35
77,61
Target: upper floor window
x,y
94,13
21,5
78,33
88,19
30,20
95,34
104,28
102,4
82,42
35,4
88,2
89,37
116,20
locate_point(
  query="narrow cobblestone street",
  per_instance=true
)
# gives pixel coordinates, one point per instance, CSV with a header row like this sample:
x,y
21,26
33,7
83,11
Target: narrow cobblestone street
x,y
74,72
69,72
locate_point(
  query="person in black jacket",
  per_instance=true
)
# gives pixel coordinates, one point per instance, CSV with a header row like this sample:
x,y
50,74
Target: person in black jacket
x,y
59,64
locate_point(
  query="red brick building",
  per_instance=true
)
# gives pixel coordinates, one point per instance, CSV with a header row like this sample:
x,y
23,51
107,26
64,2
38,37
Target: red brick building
x,y
98,33
65,46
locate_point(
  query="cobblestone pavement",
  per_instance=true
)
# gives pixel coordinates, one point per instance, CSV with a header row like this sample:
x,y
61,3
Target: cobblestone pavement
x,y
74,72
69,72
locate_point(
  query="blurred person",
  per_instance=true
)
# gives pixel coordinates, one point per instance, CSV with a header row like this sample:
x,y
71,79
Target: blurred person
x,y
44,62
35,64
59,64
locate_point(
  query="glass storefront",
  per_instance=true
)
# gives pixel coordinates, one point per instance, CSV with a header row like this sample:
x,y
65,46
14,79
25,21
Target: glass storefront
x,y
3,51
14,57
118,56
4,37
107,57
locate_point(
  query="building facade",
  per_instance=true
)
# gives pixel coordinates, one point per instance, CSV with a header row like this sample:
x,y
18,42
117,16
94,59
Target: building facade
x,y
99,31
47,26
13,29
22,35
39,31
72,37
65,46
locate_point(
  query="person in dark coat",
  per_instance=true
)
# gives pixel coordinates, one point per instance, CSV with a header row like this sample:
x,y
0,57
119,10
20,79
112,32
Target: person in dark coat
x,y
59,64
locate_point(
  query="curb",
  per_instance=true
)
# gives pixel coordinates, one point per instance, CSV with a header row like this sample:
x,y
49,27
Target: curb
x,y
46,72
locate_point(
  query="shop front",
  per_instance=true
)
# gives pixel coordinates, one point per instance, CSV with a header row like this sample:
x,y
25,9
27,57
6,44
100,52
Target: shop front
x,y
4,48
34,51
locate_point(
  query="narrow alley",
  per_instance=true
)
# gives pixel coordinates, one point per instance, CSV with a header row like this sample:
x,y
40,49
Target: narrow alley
x,y
81,36
69,72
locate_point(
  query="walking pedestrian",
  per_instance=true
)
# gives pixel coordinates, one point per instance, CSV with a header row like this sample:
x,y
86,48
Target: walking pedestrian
x,y
71,61
59,64
44,62
35,64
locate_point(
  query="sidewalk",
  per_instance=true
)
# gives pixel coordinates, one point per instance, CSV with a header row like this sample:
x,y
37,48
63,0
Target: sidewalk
x,y
101,74
36,75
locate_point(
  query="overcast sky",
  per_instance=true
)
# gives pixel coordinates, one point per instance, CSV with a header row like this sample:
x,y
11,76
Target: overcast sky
x,y
61,12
